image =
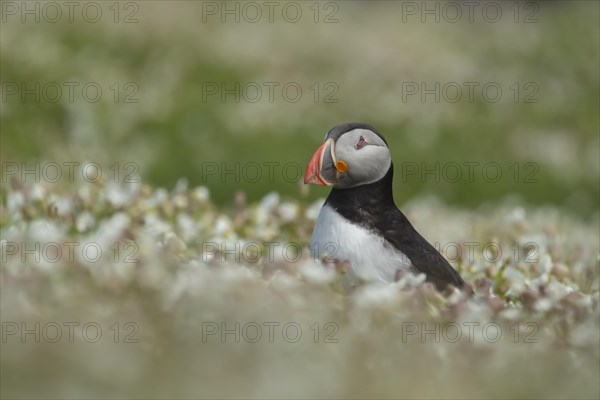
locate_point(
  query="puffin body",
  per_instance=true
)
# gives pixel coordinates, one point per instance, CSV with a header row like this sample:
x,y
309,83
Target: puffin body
x,y
359,221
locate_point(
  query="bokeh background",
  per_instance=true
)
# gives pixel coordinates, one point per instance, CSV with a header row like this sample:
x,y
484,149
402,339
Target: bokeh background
x,y
358,62
196,153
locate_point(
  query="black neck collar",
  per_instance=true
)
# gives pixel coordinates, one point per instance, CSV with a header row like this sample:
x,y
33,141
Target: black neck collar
x,y
371,198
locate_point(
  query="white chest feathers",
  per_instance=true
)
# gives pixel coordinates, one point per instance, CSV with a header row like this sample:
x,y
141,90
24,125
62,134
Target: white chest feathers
x,y
372,258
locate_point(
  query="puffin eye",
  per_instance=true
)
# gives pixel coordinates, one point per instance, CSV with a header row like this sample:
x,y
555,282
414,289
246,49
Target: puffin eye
x,y
361,143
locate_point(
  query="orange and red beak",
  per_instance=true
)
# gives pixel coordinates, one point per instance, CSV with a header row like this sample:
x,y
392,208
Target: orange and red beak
x,y
321,167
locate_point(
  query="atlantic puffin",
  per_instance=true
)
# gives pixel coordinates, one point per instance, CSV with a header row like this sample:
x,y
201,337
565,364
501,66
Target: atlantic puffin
x,y
359,222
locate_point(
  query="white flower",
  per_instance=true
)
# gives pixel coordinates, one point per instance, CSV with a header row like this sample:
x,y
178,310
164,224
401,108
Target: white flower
x,y
288,212
542,305
62,205
180,201
202,194
410,279
187,227
516,215
160,196
38,192
117,195
14,201
511,313
84,221
516,281
557,290
270,201
155,226
45,231
316,272
282,280
222,225
85,193
540,280
100,241
373,295
173,242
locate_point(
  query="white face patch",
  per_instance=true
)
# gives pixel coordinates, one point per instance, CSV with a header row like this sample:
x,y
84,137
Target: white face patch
x,y
372,258
367,156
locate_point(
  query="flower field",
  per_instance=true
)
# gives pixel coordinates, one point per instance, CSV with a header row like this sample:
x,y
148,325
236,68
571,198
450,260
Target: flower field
x,y
150,293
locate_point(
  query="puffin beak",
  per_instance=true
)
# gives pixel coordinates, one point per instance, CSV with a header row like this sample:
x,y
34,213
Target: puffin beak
x,y
321,167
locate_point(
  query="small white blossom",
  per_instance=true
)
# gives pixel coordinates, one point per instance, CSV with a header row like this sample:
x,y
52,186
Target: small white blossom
x,y
85,221
15,200
117,195
270,201
222,225
288,212
38,192
316,272
202,194
45,231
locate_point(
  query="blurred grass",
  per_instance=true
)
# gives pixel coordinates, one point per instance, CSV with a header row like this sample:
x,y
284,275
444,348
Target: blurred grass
x,y
171,131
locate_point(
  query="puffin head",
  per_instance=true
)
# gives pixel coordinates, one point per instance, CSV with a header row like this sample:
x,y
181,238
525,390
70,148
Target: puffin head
x,y
352,154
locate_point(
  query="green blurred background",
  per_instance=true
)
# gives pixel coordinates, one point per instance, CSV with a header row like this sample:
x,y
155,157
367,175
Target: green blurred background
x,y
353,62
